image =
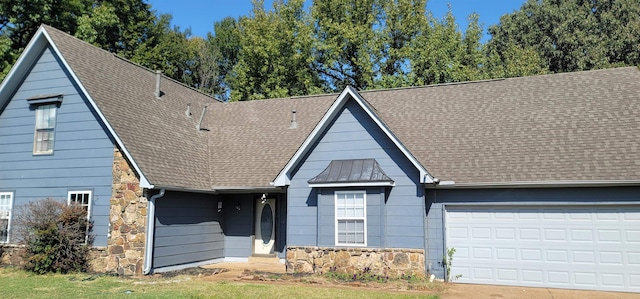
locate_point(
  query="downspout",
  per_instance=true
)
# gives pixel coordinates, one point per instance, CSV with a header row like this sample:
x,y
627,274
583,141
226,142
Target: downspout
x,y
151,223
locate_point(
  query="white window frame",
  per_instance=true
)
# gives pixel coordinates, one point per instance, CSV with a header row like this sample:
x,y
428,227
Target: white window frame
x,y
338,219
88,205
7,213
48,112
82,192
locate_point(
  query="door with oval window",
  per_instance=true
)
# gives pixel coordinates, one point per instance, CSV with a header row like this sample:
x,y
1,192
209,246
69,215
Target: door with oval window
x,y
265,225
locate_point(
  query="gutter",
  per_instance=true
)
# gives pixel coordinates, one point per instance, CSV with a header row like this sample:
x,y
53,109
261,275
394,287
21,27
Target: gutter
x,y
148,247
533,184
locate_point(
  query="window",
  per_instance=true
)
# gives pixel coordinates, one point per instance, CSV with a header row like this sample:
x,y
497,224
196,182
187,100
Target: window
x,y
82,198
45,125
351,220
6,202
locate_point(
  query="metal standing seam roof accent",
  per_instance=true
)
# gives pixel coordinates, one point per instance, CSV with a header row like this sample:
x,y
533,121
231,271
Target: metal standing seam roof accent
x,y
351,171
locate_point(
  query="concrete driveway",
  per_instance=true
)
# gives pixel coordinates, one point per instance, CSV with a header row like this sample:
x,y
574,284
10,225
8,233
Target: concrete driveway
x,y
460,290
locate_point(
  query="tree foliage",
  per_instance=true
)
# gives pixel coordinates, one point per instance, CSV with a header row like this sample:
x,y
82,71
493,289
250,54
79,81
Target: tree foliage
x,y
571,35
274,57
296,48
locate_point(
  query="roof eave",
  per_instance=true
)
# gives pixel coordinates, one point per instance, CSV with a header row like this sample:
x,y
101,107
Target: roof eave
x,y
352,184
537,184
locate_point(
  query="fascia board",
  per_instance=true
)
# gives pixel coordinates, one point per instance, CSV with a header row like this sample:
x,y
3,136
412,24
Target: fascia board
x,y
21,67
357,184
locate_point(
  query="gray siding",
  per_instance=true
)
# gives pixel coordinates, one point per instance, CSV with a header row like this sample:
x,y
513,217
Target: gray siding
x,y
188,229
238,224
83,150
437,199
354,135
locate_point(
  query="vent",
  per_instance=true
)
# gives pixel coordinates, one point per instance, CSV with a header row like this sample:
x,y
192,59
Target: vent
x,y
200,128
294,122
157,92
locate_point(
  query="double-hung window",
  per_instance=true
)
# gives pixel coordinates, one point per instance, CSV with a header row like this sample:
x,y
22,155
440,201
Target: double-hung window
x,y
6,203
45,126
351,218
82,199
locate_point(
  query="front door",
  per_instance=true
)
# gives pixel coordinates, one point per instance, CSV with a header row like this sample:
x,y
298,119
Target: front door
x,y
265,226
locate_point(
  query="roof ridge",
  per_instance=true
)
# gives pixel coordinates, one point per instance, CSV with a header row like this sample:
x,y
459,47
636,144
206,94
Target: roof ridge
x,y
49,27
163,75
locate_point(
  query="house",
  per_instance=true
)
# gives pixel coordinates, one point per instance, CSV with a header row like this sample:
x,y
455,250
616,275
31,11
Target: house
x,y
534,181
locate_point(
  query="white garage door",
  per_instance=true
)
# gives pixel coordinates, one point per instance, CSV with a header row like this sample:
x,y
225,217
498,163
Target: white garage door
x,y
586,247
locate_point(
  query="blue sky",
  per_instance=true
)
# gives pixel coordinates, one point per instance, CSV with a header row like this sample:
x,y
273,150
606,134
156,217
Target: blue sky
x,y
199,15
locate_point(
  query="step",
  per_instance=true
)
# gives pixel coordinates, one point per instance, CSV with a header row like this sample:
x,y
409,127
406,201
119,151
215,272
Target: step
x,y
267,259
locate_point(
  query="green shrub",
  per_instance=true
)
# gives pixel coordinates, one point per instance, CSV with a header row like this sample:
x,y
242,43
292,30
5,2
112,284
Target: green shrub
x,y
56,236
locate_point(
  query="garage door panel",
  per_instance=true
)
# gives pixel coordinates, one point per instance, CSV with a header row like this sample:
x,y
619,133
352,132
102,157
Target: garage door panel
x,y
633,236
612,279
586,247
634,281
558,277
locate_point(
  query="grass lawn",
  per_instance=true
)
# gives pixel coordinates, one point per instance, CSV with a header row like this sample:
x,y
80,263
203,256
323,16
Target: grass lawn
x,y
16,283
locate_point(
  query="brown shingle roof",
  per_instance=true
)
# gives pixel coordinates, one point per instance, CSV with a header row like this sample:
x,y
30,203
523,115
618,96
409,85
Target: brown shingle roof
x,y
582,126
162,140
252,141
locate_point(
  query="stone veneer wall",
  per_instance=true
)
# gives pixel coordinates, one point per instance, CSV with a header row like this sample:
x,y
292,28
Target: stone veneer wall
x,y
127,223
12,255
393,262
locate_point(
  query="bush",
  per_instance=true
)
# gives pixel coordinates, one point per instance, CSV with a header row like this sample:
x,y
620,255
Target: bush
x,y
56,236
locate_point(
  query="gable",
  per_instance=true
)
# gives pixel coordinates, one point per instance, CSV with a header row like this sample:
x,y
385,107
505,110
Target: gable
x,y
349,95
82,149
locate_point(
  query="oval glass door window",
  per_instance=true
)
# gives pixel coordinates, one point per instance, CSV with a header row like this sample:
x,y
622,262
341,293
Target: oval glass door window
x,y
266,223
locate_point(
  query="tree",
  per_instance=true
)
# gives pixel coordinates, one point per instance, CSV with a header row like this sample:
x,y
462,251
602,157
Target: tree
x,y
275,54
572,35
19,21
224,45
345,50
436,57
118,26
404,21
130,29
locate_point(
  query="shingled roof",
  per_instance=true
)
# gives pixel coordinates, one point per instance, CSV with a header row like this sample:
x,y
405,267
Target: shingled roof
x,y
553,129
162,140
582,126
563,128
